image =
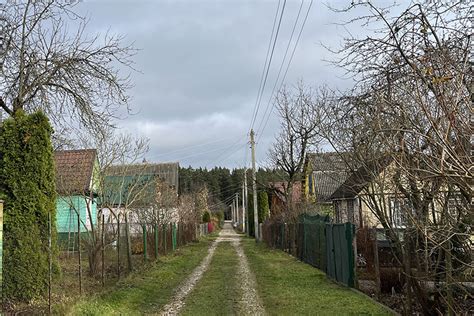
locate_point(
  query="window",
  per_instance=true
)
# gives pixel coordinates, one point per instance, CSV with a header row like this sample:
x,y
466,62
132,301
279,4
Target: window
x,y
350,211
337,211
457,205
399,208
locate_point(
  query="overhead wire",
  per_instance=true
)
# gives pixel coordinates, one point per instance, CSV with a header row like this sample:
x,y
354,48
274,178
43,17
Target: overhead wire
x,y
259,98
191,147
289,63
281,66
266,60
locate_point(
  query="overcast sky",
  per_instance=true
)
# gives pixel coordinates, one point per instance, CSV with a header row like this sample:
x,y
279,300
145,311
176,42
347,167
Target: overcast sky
x,y
200,65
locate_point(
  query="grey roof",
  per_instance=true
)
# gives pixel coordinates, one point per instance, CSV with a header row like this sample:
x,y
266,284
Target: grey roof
x,y
327,182
360,178
329,161
168,172
330,171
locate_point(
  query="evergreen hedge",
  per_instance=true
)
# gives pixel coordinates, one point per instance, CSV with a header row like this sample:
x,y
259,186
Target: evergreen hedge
x,y
27,185
262,207
206,217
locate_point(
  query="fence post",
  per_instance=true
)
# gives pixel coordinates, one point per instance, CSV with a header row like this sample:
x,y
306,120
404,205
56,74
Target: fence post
x,y
350,251
165,240
156,241
376,262
79,250
173,236
144,243
354,249
118,246
129,249
103,250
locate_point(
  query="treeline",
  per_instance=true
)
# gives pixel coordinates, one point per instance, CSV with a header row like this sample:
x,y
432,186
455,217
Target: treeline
x,y
221,183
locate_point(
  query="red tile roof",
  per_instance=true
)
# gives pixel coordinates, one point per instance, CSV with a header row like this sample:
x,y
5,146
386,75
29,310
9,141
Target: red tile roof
x,y
74,170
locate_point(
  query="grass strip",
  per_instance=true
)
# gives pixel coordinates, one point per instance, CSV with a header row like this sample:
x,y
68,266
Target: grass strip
x,y
147,291
290,287
217,293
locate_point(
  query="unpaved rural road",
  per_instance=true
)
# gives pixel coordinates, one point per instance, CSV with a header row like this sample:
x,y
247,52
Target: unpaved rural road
x,y
249,302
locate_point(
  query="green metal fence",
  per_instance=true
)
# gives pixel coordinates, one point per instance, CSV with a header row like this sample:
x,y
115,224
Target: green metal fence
x,y
326,246
340,252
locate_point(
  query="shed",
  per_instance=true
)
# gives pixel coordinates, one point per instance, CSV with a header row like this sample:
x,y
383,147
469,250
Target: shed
x,y
76,184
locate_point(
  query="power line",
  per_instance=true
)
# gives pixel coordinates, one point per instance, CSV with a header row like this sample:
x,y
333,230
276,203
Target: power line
x,y
281,66
269,64
266,60
190,147
289,63
230,154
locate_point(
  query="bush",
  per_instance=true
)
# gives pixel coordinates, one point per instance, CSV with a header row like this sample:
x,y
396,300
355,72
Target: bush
x,y
206,217
27,185
263,207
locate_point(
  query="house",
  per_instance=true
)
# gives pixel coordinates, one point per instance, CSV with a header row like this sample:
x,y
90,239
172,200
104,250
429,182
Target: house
x,y
76,186
150,189
278,199
370,189
324,173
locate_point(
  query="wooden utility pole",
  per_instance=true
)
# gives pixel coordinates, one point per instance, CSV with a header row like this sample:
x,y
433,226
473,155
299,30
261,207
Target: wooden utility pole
x,y
244,198
237,208
246,202
254,185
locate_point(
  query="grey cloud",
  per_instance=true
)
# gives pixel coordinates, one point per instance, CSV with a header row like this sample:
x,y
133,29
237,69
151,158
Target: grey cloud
x,y
200,65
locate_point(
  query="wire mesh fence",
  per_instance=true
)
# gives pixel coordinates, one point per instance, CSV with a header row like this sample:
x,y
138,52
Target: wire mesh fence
x,y
116,248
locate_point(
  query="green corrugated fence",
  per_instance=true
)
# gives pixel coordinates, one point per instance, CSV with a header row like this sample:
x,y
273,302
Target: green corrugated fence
x,y
328,247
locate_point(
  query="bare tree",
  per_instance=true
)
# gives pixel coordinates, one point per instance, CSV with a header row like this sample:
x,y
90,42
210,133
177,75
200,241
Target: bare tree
x,y
301,115
412,105
118,156
48,63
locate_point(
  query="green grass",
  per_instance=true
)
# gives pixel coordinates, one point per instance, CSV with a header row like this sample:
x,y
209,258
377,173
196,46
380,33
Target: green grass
x,y
217,292
147,291
290,287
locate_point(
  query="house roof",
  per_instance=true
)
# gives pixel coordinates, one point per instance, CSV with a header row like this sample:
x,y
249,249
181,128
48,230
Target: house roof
x,y
328,161
74,170
167,172
279,189
358,179
327,182
330,170
137,183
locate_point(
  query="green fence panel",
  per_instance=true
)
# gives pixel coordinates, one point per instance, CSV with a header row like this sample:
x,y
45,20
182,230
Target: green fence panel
x,y
340,253
350,235
331,261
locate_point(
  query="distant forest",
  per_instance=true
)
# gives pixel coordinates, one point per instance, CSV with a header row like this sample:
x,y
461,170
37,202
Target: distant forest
x,y
222,183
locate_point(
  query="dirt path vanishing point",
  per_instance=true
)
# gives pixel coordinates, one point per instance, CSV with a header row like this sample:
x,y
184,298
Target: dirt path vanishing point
x,y
249,302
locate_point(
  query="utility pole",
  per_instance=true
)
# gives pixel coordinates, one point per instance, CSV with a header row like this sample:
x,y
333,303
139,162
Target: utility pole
x,y
254,185
244,198
237,209
246,202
